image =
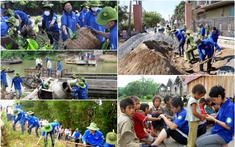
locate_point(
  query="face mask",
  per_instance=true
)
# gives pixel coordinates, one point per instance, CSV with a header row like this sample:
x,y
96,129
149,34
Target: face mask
x,y
47,13
94,9
68,9
106,26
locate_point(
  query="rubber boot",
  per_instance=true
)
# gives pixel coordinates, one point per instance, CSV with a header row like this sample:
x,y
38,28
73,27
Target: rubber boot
x,y
208,67
201,67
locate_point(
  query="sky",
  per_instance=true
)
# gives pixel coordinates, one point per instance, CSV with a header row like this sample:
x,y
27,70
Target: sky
x,y
165,8
123,80
6,102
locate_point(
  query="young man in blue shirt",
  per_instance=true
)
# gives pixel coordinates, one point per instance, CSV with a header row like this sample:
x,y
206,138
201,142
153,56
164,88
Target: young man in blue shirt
x,y
4,84
20,116
83,13
17,81
80,91
90,19
93,136
202,31
32,122
68,20
108,18
214,35
205,48
23,18
58,69
180,36
6,24
76,136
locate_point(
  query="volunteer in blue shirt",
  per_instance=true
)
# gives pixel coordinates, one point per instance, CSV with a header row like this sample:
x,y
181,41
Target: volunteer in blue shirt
x,y
214,35
90,19
17,81
84,81
83,13
178,128
108,18
20,116
76,136
49,18
180,36
6,24
80,91
223,130
202,31
23,18
4,83
58,69
32,122
205,48
18,106
68,20
111,139
48,129
93,136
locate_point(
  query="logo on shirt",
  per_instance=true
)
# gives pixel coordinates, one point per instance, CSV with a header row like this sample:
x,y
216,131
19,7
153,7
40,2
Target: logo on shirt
x,y
180,117
228,120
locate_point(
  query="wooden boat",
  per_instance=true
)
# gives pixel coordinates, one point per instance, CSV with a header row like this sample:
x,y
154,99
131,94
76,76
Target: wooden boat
x,y
9,71
30,82
11,61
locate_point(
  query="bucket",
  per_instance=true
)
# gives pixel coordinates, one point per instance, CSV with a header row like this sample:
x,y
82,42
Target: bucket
x,y
61,90
85,40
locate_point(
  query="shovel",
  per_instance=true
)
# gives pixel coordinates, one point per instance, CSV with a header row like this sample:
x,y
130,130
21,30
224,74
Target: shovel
x,y
191,69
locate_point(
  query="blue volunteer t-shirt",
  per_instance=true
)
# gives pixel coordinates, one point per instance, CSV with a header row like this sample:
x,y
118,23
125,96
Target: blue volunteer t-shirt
x,y
55,27
18,107
59,66
81,93
179,120
108,145
17,82
90,22
202,31
4,28
70,21
22,15
179,35
94,140
54,125
76,135
206,48
3,77
214,37
82,16
225,114
113,37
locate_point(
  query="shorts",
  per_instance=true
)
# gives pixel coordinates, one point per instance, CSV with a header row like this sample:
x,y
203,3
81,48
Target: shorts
x,y
4,86
58,72
18,94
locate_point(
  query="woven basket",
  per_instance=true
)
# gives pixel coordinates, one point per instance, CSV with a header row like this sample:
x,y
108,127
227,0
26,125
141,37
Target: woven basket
x,y
85,40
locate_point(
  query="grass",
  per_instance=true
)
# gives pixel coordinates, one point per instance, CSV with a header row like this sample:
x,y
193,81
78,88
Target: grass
x,y
15,139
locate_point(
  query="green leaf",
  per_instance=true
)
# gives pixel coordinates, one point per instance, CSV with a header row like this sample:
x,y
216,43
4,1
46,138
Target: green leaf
x,y
32,44
9,46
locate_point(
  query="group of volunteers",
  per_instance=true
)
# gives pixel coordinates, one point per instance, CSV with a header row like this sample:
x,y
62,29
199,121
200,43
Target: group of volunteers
x,y
137,124
92,136
16,81
205,42
97,19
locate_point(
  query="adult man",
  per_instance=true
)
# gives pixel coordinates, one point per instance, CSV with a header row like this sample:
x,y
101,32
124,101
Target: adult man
x,y
205,49
20,117
23,18
17,81
214,35
49,67
93,136
76,136
5,25
202,31
4,84
32,122
108,18
58,69
180,36
68,20
189,41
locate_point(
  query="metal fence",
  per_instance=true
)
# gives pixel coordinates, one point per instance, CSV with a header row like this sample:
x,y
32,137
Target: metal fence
x,y
225,25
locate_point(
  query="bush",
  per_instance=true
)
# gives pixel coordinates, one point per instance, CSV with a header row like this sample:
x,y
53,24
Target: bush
x,y
149,96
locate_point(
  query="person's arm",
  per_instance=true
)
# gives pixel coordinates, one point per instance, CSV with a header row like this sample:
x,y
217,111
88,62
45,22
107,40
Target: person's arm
x,y
101,140
106,35
78,26
194,105
170,124
217,47
153,118
200,53
84,139
221,123
39,140
18,16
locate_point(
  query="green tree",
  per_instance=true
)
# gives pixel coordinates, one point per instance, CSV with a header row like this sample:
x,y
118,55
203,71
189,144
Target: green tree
x,y
151,18
179,12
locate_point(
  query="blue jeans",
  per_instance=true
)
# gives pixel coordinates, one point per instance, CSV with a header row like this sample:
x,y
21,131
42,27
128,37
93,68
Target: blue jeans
x,y
49,72
22,125
8,117
52,139
36,129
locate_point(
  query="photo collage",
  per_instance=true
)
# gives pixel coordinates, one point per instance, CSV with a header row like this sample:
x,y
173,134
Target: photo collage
x,y
117,73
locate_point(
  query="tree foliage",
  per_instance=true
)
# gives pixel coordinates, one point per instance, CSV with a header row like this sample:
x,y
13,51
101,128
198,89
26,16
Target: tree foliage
x,y
140,88
179,12
76,114
152,18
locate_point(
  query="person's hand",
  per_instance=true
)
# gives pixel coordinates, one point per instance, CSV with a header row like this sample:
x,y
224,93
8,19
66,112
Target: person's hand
x,y
210,118
93,31
203,117
67,36
219,53
84,144
51,25
162,115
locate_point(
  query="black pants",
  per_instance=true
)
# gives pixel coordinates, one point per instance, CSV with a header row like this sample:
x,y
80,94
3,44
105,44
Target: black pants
x,y
181,48
209,65
177,135
54,38
76,141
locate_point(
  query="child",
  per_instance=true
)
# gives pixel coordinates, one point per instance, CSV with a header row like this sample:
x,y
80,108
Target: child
x,y
139,119
202,124
156,110
208,107
194,113
167,109
125,121
111,139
